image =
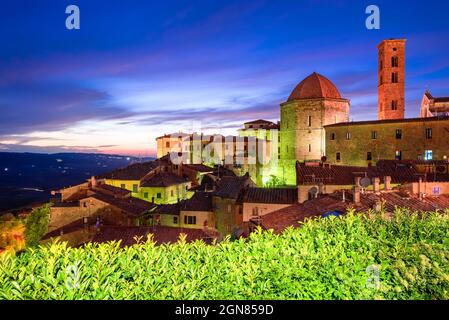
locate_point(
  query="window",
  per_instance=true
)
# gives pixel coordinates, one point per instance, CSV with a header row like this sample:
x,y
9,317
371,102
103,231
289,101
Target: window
x,y
394,104
369,156
394,62
428,155
380,65
428,133
175,220
310,148
189,220
167,144
123,186
398,134
398,155
309,120
145,195
172,193
135,188
338,156
333,135
158,195
348,135
436,191
394,77
229,208
381,80
374,135
394,49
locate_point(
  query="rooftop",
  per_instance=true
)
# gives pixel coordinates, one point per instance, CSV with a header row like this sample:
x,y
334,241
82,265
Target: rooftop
x,y
315,86
271,195
134,171
231,187
293,215
163,179
128,235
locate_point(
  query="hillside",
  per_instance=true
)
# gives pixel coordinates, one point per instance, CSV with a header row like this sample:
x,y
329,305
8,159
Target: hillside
x,y
26,178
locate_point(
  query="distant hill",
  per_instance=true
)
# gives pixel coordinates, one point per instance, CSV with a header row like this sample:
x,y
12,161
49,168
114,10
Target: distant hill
x,y
27,178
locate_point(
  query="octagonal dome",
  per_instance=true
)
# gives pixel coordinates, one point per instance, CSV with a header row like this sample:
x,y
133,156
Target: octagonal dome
x,y
315,86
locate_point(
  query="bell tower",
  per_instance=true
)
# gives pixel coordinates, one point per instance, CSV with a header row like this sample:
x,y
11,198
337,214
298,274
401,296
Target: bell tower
x,y
391,73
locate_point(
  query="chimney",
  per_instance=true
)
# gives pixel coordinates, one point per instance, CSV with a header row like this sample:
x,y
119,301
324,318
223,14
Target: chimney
x,y
356,194
420,189
376,185
93,182
321,188
387,183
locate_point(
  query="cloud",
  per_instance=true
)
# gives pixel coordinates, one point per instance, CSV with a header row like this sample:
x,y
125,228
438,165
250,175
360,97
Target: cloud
x,y
51,107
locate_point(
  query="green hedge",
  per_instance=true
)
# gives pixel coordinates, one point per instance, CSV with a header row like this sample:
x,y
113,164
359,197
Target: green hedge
x,y
332,258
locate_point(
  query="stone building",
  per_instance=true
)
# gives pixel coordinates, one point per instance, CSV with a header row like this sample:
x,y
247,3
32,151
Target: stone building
x,y
363,143
314,103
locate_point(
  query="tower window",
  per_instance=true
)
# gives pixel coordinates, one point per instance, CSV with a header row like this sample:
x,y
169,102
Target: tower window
x,y
394,77
333,135
310,148
398,155
428,155
398,134
374,135
348,135
338,156
428,133
394,104
395,49
309,121
381,80
394,62
369,156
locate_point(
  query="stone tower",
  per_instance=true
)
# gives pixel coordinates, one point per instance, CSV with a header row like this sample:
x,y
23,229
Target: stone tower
x,y
391,103
314,103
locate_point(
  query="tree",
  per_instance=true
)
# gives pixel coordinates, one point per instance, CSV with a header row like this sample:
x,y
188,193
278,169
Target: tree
x,y
36,225
12,237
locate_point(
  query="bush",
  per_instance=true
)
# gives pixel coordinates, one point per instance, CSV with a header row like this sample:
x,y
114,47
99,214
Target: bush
x,y
332,258
36,225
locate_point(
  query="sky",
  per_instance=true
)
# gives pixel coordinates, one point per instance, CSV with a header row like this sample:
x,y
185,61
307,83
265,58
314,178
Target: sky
x,y
136,70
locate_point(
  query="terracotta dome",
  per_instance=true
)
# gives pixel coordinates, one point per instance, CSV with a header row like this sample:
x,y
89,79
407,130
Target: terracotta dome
x,y
313,87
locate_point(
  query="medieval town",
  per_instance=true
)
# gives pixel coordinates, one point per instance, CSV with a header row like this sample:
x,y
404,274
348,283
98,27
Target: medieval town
x,y
313,162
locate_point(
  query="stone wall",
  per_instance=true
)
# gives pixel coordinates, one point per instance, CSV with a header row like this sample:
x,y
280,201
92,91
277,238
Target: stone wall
x,y
412,145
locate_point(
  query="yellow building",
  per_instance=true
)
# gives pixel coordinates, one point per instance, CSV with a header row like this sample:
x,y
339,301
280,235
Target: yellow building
x,y
164,188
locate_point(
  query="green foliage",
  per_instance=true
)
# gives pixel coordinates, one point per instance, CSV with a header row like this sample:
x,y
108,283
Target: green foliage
x,y
324,259
36,225
274,182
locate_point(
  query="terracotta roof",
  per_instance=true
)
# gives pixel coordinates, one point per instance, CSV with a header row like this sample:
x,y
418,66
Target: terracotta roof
x,y
161,234
293,215
198,167
201,201
369,122
260,121
132,206
315,86
173,209
231,187
163,179
399,171
271,195
134,171
111,190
